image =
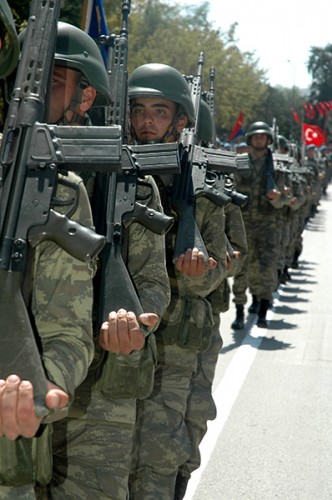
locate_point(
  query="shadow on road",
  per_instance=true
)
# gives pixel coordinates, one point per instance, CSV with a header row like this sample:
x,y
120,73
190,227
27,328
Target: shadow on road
x,y
290,302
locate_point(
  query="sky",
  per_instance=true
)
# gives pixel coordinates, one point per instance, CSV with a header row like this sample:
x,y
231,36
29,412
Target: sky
x,y
279,33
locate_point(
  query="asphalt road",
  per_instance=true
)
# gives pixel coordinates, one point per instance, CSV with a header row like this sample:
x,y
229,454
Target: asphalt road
x,y
272,438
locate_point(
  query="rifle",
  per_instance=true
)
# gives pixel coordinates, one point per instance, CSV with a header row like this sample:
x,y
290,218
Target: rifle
x,y
219,163
30,153
191,178
201,169
118,201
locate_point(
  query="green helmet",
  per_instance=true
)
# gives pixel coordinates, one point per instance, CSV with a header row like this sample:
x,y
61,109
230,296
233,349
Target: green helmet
x,y
206,131
283,143
161,80
9,45
76,50
259,128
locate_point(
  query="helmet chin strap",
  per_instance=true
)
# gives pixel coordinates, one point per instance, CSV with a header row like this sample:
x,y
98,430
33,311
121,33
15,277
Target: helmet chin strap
x,y
70,115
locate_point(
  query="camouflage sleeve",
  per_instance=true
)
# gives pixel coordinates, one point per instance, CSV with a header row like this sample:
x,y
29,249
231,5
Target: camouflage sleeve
x,y
211,223
146,258
236,233
62,301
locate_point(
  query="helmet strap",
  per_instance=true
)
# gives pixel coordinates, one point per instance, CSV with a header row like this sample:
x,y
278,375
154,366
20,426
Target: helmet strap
x,y
70,115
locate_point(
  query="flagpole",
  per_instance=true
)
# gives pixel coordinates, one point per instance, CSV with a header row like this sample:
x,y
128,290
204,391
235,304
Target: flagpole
x,y
293,97
86,14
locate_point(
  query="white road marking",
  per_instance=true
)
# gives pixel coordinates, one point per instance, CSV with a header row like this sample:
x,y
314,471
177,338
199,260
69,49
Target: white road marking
x,y
226,394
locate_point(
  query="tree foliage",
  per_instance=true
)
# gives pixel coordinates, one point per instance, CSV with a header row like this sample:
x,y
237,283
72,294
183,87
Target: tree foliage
x,y
320,68
175,33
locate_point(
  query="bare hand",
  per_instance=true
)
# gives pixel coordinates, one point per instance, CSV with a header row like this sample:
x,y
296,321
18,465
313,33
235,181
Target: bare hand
x,y
193,263
17,410
122,333
273,195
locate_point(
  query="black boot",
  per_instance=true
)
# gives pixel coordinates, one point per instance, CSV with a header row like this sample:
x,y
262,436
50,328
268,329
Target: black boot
x,y
238,323
285,276
253,309
263,307
180,486
295,263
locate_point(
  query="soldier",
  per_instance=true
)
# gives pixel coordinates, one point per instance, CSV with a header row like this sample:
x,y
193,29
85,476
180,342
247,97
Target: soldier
x,y
325,160
318,175
259,272
92,446
200,405
161,106
59,293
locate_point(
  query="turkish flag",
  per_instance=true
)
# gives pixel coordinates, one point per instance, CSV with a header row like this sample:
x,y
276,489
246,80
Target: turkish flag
x,y
312,134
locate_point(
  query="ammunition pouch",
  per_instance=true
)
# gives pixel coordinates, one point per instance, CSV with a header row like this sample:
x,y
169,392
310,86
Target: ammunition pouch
x,y
120,376
27,461
220,298
187,322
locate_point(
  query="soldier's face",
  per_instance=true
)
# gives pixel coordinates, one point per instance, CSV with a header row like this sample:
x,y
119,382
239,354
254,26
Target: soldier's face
x,y
259,141
64,83
152,118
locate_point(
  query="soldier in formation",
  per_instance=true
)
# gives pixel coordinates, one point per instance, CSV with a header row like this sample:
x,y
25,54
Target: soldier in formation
x,y
109,442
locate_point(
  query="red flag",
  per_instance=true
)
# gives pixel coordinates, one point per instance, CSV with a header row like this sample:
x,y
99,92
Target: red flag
x,y
296,116
237,127
320,106
312,134
328,104
309,111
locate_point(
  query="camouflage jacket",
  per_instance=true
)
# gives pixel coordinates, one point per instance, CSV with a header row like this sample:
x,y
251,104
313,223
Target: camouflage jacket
x,y
253,183
146,257
61,294
62,298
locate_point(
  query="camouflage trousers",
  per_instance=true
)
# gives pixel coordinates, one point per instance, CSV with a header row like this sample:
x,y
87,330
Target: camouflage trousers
x,y
301,221
292,243
200,405
92,448
26,465
284,225
259,270
22,493
162,442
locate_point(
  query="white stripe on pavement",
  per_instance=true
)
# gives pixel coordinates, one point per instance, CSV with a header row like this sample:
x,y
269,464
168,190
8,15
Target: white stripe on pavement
x,y
226,394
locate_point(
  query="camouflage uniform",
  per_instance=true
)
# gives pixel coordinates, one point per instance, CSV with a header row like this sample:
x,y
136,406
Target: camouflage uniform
x,y
303,177
260,219
92,446
312,164
162,442
283,213
62,310
200,405
295,218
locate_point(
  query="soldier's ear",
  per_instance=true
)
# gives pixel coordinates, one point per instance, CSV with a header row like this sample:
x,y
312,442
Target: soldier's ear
x,y
88,97
181,123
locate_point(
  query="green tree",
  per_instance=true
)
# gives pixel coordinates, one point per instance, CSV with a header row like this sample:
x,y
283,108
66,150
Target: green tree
x,y
175,34
320,68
